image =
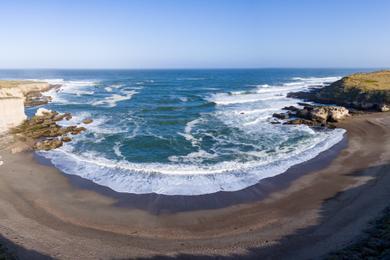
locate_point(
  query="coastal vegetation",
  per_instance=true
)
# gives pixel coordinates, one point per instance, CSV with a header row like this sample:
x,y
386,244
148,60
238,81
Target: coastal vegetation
x,y
364,91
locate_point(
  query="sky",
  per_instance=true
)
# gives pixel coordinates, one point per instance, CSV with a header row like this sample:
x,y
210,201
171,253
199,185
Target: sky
x,y
138,34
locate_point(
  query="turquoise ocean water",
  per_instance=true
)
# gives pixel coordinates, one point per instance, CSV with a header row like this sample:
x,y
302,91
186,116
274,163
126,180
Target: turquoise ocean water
x,y
182,132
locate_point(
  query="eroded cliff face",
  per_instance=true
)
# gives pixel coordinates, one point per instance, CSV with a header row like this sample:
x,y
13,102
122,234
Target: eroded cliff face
x,y
13,95
11,112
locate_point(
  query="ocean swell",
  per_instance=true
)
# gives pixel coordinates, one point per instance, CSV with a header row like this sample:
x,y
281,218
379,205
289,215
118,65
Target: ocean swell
x,y
209,140
174,179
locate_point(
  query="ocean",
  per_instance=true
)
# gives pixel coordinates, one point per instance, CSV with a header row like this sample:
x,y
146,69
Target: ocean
x,y
182,132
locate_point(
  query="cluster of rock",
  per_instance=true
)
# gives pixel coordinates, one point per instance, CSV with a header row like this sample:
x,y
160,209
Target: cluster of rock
x,y
29,91
36,98
312,115
43,132
362,91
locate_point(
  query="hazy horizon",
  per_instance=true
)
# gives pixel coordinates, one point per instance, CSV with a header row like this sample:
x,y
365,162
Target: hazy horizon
x,y
199,68
194,34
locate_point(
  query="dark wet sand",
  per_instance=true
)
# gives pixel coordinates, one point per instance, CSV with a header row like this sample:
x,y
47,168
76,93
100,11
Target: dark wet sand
x,y
315,207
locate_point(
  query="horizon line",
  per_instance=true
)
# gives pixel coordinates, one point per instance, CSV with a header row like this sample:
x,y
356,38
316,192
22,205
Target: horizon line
x,y
190,68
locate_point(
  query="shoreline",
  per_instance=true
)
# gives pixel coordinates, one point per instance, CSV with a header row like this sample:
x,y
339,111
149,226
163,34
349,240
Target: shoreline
x,y
159,203
40,206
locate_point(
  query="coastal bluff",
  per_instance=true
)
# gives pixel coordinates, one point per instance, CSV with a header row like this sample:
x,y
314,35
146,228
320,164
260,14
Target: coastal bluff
x,y
14,96
362,91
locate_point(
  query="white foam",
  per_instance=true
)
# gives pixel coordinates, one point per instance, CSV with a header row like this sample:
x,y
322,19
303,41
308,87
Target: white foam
x,y
99,125
229,99
74,87
117,150
112,100
193,173
268,92
194,157
188,129
319,80
178,179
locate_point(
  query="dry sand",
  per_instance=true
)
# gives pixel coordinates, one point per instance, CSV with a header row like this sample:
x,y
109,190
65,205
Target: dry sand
x,y
43,214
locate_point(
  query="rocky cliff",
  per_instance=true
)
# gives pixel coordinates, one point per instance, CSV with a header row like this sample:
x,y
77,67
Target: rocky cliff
x,y
14,95
365,91
11,112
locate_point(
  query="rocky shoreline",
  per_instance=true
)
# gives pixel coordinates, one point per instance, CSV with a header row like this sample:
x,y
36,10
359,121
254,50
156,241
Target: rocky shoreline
x,y
36,198
42,131
312,115
354,94
362,91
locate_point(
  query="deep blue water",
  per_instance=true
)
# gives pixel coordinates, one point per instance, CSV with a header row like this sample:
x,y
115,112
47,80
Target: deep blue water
x,y
182,131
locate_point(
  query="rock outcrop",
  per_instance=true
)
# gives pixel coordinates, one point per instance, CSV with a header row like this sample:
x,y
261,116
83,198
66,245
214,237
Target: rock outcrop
x,y
313,115
15,95
87,121
364,91
43,132
29,91
328,113
11,112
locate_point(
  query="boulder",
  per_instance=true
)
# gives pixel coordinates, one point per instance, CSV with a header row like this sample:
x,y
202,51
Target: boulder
x,y
60,117
87,121
300,121
337,113
66,139
303,113
328,113
78,130
280,115
48,144
291,108
68,116
383,108
319,114
306,105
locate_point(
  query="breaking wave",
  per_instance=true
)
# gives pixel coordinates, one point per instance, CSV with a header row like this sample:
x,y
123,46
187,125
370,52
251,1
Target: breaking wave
x,y
189,149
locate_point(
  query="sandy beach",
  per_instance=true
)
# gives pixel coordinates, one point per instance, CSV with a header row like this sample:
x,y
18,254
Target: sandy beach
x,y
44,214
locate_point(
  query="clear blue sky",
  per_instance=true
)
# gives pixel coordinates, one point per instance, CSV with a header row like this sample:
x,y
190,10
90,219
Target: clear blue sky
x,y
194,34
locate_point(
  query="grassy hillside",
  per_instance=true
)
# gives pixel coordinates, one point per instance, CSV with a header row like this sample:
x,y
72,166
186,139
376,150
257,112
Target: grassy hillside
x,y
379,80
367,91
